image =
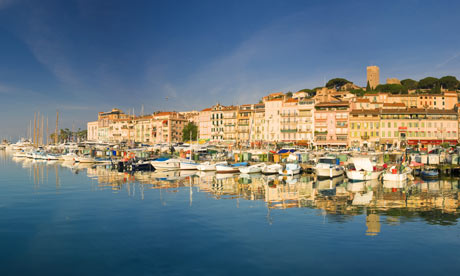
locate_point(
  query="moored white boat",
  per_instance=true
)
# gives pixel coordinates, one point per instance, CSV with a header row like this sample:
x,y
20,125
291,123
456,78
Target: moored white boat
x,y
208,166
362,169
166,164
69,157
51,156
230,168
290,169
251,169
393,174
188,165
328,167
20,154
271,169
85,159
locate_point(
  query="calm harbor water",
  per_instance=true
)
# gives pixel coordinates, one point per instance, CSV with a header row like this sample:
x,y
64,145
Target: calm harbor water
x,y
66,219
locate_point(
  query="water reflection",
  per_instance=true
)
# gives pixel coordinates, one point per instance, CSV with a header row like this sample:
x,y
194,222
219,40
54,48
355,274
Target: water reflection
x,y
338,200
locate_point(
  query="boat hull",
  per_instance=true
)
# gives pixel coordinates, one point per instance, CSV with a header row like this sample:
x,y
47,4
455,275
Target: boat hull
x,y
250,169
188,166
395,177
328,172
362,175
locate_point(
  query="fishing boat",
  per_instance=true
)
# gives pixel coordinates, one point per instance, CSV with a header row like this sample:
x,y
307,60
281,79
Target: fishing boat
x,y
188,165
290,169
252,169
69,157
38,155
208,166
429,174
20,154
328,167
361,169
51,156
271,169
166,164
395,174
85,159
230,168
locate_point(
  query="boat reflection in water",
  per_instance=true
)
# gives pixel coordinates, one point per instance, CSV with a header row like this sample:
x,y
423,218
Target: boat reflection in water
x,y
338,199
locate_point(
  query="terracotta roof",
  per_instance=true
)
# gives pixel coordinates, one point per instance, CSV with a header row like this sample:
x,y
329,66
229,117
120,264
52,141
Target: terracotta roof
x,y
291,100
418,111
207,109
365,111
332,104
273,100
361,100
394,104
164,113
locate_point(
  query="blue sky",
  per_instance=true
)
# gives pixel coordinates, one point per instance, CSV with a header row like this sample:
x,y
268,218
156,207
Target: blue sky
x,y
86,56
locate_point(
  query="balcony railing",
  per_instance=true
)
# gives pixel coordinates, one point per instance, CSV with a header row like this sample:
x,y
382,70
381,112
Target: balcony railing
x,y
289,130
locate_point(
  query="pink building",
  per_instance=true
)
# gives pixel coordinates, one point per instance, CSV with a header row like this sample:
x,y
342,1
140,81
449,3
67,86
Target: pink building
x,y
204,124
331,123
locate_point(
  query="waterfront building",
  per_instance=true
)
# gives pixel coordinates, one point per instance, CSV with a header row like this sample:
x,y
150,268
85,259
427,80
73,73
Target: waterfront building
x,y
230,123
373,76
331,123
191,116
167,127
244,118
204,124
223,121
415,126
258,124
105,119
288,122
121,130
364,128
273,119
92,131
143,129
217,123
305,121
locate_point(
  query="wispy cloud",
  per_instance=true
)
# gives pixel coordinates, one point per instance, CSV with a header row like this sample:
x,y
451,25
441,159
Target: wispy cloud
x,y
48,48
448,60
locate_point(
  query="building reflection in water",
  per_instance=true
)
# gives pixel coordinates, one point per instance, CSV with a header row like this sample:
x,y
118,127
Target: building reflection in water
x,y
339,200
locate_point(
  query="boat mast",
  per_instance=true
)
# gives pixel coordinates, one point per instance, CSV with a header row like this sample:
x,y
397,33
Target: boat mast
x,y
35,127
56,133
47,131
41,138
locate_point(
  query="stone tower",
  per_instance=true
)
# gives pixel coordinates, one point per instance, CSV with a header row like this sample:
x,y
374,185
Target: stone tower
x,y
373,76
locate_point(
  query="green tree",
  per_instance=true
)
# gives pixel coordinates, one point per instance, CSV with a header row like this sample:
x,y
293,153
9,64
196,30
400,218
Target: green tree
x,y
289,94
410,84
358,92
81,134
449,82
428,83
392,88
190,128
337,83
368,87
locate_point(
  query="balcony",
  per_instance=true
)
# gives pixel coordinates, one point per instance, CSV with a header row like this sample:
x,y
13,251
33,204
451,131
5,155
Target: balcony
x,y
288,115
289,130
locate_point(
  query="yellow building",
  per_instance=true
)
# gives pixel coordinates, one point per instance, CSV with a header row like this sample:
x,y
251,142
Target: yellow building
x,y
364,128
